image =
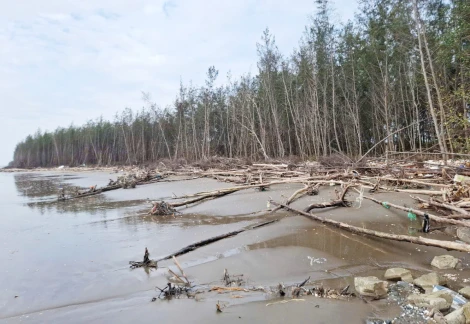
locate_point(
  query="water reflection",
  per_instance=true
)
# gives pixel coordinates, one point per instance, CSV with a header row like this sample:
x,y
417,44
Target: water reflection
x,y
94,205
43,191
127,212
34,185
344,246
185,221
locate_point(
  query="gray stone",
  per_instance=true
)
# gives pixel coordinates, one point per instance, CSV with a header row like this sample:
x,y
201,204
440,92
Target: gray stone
x,y
439,318
445,262
459,316
438,300
465,291
451,230
371,286
466,312
398,274
463,233
456,317
428,281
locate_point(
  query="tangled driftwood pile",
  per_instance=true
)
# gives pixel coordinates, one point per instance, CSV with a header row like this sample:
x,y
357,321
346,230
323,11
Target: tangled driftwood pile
x,y
447,188
442,198
162,208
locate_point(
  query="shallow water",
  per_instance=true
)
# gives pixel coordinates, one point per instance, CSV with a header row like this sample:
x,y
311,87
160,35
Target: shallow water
x,y
68,261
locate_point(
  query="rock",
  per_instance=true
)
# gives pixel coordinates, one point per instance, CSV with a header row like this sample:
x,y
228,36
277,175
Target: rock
x,y
456,317
465,291
371,286
439,318
445,262
428,281
398,274
466,312
459,316
438,300
451,230
463,233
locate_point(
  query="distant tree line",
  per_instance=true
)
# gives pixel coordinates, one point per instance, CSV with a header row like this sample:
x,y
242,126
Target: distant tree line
x,y
400,72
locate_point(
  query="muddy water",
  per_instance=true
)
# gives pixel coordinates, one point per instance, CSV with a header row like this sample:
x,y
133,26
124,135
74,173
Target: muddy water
x,y
67,262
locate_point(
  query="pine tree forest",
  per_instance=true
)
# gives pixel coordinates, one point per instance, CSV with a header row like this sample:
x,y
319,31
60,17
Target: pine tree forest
x,y
396,79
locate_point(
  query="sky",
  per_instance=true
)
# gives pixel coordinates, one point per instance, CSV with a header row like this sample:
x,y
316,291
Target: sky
x,y
68,61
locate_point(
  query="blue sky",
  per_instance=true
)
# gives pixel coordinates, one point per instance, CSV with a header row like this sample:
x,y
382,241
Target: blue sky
x,y
66,61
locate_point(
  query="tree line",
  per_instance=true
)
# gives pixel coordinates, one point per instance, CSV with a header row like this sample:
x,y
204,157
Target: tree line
x,y
396,78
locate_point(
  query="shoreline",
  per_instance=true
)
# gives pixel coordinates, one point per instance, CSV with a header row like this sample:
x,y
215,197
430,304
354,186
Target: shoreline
x,y
233,163
329,257
113,169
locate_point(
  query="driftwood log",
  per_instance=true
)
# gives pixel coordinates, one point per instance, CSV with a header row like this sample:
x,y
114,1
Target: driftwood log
x,y
208,241
432,202
335,203
146,262
435,218
304,179
401,238
418,182
101,190
306,190
199,244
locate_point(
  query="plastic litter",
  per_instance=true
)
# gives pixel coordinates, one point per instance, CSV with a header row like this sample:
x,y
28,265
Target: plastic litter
x,y
377,321
461,178
316,260
457,300
386,205
360,198
411,215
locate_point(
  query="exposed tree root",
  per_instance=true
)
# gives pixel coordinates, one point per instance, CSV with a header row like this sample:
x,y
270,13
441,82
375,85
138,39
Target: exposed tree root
x,y
336,203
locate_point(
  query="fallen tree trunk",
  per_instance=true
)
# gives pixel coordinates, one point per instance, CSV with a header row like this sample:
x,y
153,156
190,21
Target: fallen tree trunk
x,y
416,182
199,244
334,203
431,202
197,199
202,243
87,194
307,189
105,189
169,207
457,216
267,184
411,191
402,238
421,213
234,189
339,202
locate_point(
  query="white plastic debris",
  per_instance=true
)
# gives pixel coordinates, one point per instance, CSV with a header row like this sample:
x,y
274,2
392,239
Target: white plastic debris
x,y
316,260
461,178
458,300
360,198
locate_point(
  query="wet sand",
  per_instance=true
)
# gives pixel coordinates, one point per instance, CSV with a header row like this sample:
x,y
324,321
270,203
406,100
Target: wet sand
x,y
68,262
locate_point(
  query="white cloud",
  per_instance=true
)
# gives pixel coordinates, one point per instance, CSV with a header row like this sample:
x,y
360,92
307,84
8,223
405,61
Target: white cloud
x,y
64,61
55,17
